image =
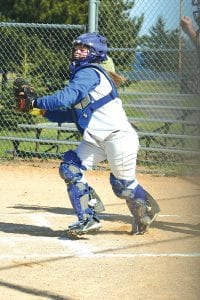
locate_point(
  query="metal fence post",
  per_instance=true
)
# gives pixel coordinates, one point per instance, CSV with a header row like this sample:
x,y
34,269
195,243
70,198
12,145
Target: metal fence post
x,y
93,16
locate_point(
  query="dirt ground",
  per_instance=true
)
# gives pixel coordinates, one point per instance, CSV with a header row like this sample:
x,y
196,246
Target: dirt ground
x,y
38,261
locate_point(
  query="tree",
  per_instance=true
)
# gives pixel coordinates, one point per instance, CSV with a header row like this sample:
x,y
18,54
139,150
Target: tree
x,y
111,17
121,42
162,45
45,11
43,54
34,53
37,11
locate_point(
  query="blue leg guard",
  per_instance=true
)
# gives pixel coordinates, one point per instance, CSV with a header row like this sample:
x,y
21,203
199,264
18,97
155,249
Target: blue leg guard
x,y
71,171
141,205
84,199
79,197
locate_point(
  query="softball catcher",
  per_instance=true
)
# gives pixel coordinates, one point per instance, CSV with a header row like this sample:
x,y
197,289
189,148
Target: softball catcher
x,y
91,101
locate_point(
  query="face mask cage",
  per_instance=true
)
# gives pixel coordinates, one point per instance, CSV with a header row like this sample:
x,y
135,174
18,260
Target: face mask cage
x,y
79,45
93,55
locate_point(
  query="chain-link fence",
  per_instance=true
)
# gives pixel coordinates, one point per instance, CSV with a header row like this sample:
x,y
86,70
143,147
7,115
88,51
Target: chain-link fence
x,y
162,67
41,53
161,93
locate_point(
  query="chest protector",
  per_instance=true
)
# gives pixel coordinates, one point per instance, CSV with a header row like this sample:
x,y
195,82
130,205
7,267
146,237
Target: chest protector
x,y
82,111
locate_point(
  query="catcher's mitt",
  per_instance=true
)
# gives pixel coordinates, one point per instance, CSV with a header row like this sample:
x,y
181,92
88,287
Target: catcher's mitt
x,y
23,94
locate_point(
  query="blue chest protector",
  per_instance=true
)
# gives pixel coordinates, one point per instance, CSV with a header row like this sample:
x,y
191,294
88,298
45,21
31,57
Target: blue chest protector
x,y
82,111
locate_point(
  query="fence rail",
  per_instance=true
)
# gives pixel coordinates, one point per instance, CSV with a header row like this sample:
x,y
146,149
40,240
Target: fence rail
x,y
161,94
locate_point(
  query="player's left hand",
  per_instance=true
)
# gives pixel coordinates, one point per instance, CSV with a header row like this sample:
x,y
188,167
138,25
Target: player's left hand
x,y
24,94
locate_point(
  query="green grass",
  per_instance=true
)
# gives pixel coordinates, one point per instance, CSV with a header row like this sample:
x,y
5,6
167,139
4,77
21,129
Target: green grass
x,y
30,146
146,90
152,87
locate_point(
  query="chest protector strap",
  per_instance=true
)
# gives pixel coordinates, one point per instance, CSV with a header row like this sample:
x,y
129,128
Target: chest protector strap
x,y
84,109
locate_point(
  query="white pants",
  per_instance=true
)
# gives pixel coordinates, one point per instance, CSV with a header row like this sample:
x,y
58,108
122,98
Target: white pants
x,y
119,149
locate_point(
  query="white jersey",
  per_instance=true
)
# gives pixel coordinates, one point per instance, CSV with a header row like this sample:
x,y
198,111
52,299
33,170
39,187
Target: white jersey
x,y
109,136
108,118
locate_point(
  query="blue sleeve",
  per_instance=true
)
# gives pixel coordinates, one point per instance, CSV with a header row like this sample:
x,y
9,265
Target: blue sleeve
x,y
59,116
84,81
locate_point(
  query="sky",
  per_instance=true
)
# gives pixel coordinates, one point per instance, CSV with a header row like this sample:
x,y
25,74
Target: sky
x,y
169,10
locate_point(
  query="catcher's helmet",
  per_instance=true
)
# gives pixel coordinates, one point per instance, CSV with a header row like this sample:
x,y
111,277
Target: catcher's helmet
x,y
97,45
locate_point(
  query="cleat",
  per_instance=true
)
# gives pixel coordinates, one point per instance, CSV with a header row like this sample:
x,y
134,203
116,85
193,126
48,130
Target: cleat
x,y
83,227
143,224
139,229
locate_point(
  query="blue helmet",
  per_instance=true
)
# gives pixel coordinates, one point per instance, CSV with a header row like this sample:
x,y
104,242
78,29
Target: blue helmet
x,y
97,45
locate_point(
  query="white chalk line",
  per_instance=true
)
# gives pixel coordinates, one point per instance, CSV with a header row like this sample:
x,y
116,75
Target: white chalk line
x,y
39,220
96,255
158,216
101,214
76,249
27,214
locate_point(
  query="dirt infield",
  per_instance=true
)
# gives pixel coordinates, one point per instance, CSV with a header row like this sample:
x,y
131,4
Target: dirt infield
x,y
37,261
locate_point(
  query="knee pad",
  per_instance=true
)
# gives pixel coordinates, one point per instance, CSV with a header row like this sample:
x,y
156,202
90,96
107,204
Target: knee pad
x,y
134,195
127,189
69,172
70,169
120,187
